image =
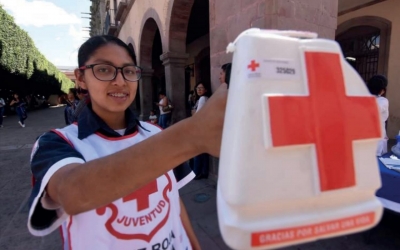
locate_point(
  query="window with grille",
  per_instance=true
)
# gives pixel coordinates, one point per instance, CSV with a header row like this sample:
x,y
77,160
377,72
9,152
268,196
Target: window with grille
x,y
360,46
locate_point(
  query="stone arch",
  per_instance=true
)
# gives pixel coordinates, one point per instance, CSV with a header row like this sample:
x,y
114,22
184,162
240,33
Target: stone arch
x,y
385,28
132,46
150,27
150,24
178,25
204,54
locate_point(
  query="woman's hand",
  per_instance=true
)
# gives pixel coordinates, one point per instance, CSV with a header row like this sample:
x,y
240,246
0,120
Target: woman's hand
x,y
209,121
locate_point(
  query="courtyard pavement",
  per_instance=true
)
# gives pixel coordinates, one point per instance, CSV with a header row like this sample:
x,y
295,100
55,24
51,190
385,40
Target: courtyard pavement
x,y
199,197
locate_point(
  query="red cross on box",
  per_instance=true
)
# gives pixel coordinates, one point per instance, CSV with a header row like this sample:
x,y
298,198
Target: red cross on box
x,y
253,65
327,118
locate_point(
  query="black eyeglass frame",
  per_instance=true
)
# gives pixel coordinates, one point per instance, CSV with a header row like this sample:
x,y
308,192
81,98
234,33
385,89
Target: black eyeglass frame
x,y
91,66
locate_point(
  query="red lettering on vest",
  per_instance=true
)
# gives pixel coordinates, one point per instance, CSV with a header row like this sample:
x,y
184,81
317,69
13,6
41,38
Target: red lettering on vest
x,y
162,208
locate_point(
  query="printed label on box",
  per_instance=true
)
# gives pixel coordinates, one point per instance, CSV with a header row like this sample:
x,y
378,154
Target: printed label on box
x,y
311,231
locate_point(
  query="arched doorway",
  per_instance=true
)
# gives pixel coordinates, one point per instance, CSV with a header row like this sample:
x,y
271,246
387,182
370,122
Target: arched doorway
x,y
153,69
361,47
198,43
136,104
188,37
158,79
202,66
365,42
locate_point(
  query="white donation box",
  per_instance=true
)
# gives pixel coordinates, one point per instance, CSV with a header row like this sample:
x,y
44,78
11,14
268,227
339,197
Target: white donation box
x,y
298,148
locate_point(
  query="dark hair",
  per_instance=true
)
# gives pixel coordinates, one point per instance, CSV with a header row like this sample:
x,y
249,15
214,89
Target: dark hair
x,y
92,44
225,66
74,92
376,84
206,86
86,51
81,91
162,92
227,69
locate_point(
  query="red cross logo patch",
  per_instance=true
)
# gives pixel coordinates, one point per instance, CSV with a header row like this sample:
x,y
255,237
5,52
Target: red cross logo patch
x,y
253,65
136,218
327,118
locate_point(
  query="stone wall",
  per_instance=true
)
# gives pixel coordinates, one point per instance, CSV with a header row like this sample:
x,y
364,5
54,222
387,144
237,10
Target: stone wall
x,y
229,18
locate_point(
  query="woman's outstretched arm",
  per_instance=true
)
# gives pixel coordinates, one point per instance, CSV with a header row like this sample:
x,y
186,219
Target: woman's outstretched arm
x,y
83,187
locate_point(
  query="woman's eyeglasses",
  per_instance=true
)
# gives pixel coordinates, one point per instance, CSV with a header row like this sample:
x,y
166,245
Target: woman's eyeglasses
x,y
107,72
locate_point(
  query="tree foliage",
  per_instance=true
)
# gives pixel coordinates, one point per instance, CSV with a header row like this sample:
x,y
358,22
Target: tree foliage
x,y
22,66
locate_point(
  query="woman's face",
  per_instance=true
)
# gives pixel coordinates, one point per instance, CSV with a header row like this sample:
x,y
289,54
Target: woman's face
x,y
109,97
200,90
222,76
71,96
16,96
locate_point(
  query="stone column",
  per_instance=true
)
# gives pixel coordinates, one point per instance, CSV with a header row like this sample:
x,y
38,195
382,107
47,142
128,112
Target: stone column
x,y
175,82
146,94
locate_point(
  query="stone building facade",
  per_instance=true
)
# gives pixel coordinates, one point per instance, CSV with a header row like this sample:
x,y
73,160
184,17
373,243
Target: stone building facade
x,y
370,33
181,42
98,16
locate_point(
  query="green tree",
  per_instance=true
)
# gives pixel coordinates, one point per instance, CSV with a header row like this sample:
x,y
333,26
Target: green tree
x,y
23,64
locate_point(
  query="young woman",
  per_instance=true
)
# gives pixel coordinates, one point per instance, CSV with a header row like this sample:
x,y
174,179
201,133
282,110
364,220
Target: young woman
x,y
109,180
201,166
225,73
19,106
377,86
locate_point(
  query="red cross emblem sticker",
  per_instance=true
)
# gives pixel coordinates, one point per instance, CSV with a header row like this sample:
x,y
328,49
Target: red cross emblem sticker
x,y
253,65
327,118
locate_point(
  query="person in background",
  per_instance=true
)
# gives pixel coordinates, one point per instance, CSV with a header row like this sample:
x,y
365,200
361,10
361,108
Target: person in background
x,y
81,93
99,178
2,108
377,86
191,99
84,99
72,102
165,115
19,106
153,117
225,73
201,162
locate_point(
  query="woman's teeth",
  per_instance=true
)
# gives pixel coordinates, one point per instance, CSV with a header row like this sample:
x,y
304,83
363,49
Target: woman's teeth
x,y
120,95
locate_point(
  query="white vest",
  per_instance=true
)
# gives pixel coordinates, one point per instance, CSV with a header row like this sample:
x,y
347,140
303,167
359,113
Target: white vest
x,y
147,219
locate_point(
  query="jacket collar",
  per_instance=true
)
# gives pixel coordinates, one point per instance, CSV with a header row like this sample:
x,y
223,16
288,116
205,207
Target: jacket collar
x,y
89,123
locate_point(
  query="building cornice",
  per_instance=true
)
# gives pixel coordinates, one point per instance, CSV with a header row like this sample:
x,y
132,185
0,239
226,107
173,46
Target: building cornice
x,y
124,16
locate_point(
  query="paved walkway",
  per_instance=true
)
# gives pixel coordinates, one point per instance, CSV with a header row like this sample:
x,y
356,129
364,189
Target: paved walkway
x,y
15,183
199,197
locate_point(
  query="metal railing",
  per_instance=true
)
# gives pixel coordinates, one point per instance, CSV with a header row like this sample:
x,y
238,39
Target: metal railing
x,y
110,22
